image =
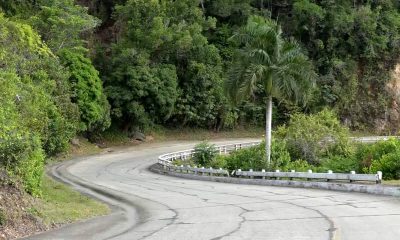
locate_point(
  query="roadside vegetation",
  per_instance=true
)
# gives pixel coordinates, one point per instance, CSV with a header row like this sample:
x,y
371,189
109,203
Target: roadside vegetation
x,y
308,142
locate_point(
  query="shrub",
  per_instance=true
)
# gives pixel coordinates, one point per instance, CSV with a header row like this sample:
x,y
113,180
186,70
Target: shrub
x,y
314,137
389,164
218,162
87,91
298,165
255,158
343,164
204,153
381,156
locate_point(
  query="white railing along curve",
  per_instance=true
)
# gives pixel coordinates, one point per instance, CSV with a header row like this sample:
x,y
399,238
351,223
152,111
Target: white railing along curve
x,y
166,160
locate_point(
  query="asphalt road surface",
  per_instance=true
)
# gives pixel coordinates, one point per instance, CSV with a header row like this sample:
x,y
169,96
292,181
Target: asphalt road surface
x,y
151,206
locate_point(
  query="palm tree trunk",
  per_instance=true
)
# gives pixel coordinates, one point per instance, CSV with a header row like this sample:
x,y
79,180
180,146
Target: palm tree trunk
x,y
268,129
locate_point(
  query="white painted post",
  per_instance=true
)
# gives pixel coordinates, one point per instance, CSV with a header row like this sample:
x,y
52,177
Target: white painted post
x,y
181,168
211,171
225,149
309,171
203,173
329,172
292,171
379,176
188,167
195,169
239,171
277,172
263,170
251,171
352,172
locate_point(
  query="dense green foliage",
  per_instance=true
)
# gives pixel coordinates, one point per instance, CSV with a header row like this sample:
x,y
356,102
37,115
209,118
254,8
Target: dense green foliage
x,y
87,91
353,47
42,96
36,111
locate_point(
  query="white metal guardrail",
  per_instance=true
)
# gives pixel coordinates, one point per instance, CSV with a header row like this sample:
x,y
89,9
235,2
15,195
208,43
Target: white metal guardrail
x,y
166,160
352,176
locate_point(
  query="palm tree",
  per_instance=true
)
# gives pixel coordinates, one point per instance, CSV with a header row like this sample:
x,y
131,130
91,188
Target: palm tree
x,y
266,59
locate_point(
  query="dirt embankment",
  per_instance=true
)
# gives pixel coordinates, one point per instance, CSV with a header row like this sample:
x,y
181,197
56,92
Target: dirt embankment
x,y
16,219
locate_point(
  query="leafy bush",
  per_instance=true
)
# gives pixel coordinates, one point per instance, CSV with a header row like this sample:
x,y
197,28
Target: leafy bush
x,y
204,153
341,164
314,137
87,91
381,156
21,123
389,164
298,166
247,158
218,162
255,158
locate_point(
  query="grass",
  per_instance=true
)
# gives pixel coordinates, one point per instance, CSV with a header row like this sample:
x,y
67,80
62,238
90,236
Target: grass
x,y
60,204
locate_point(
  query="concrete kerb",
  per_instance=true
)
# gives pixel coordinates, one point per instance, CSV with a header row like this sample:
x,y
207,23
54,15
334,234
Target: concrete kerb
x,y
376,189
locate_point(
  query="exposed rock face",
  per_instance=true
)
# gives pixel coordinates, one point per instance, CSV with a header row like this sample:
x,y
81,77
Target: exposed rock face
x,y
393,112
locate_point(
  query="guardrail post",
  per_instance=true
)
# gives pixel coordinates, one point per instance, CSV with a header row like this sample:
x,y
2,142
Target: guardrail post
x,y
203,173
239,171
329,172
352,172
195,169
181,169
211,171
309,171
251,173
277,178
379,177
236,147
188,168
263,170
292,171
225,149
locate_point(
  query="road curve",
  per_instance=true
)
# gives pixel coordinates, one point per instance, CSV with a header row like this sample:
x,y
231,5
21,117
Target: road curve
x,y
151,206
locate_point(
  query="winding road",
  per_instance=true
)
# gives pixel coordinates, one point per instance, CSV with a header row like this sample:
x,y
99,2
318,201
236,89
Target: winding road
x,y
151,206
